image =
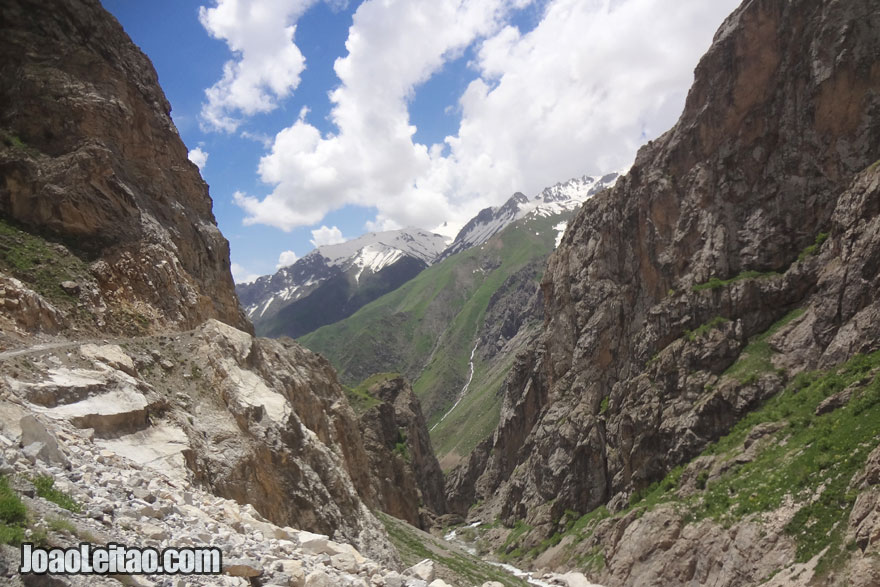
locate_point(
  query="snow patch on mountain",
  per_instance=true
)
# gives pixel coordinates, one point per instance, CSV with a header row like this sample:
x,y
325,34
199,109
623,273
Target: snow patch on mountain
x,y
557,199
365,255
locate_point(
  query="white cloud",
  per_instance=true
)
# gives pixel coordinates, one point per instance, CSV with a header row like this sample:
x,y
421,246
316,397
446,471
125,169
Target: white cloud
x,y
241,275
575,95
286,258
198,156
326,236
267,64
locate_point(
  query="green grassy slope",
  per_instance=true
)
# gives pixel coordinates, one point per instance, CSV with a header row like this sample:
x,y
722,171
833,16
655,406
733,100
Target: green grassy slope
x,y
427,329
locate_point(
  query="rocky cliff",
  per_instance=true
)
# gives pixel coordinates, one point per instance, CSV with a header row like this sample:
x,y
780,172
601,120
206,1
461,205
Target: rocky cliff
x,y
407,480
106,231
739,251
91,160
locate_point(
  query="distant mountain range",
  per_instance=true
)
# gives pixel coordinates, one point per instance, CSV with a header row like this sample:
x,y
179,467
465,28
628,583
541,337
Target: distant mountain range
x,y
558,199
334,281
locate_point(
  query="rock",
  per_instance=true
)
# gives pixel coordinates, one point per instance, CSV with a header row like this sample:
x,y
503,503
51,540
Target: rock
x,y
402,486
39,442
109,354
344,562
155,532
131,199
239,567
70,287
294,570
439,583
423,570
319,579
838,400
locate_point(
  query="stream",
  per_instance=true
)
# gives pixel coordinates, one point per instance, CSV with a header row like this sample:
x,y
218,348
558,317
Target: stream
x,y
464,389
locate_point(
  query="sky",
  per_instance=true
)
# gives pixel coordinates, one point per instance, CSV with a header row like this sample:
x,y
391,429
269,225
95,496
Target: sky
x,y
315,121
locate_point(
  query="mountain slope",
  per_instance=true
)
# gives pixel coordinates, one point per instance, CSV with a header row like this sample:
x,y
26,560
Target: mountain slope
x,y
475,308
558,199
91,161
333,281
107,233
669,308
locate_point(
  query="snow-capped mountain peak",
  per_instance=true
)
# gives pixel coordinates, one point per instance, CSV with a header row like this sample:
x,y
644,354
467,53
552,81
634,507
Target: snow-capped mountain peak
x,y
357,259
557,199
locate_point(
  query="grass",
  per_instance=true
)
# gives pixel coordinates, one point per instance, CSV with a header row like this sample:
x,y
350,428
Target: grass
x,y
39,263
359,396
715,283
815,463
415,546
814,248
714,324
426,330
61,525
811,458
13,515
755,358
45,487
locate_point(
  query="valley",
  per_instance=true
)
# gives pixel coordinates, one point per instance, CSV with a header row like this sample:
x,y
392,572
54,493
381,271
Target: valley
x,y
664,376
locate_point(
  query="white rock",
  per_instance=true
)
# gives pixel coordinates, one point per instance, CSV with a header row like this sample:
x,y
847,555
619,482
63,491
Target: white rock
x,y
423,570
319,579
109,354
33,432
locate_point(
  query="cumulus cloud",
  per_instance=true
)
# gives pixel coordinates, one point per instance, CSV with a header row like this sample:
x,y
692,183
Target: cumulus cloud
x,y
576,95
286,258
326,236
198,156
267,63
241,275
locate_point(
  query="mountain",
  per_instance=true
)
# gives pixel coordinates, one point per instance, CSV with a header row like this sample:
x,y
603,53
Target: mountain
x,y
130,225
333,281
455,328
555,200
136,406
703,403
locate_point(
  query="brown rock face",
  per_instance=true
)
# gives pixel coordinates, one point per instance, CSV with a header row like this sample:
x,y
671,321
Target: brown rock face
x,y
775,146
406,480
91,157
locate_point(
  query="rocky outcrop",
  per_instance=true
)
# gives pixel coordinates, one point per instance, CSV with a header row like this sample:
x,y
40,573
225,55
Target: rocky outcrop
x,y
259,421
761,200
112,499
247,419
405,475
90,159
514,306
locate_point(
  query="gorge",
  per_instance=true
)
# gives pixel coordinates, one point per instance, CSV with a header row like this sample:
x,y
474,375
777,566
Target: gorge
x,y
684,390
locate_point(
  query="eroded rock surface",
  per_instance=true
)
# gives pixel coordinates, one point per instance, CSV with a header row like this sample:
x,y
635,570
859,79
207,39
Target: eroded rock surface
x,y
90,157
763,199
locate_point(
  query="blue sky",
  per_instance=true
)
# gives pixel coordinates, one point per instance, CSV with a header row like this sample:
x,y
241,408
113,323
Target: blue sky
x,y
315,120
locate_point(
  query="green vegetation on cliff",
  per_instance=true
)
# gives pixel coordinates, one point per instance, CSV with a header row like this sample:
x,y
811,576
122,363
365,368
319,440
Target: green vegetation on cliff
x,y
812,440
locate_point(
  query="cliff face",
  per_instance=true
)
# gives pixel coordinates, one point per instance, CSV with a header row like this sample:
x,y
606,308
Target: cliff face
x,y
91,159
106,227
405,476
760,201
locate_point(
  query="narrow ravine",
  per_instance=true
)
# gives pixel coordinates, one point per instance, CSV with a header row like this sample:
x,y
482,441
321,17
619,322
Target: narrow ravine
x,y
464,389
